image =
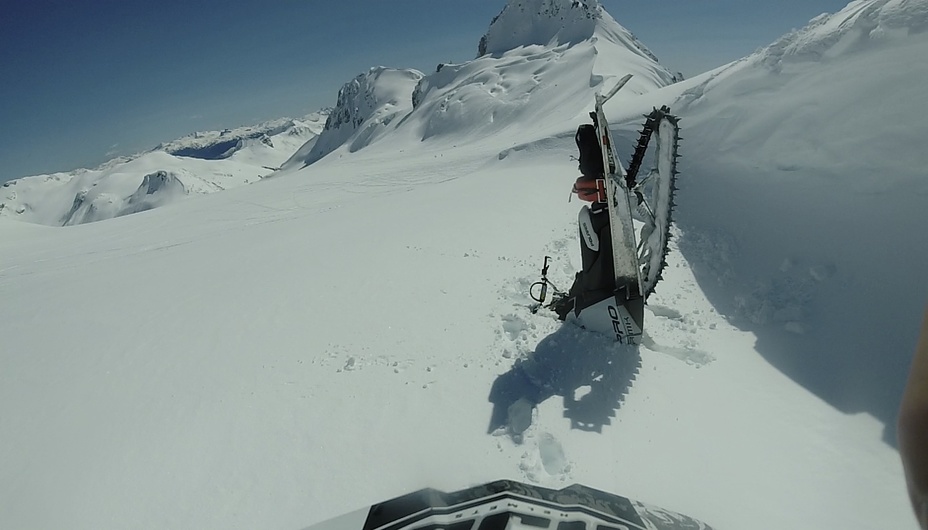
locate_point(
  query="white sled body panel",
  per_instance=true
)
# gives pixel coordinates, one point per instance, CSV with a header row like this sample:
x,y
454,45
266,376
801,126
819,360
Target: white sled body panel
x,y
611,318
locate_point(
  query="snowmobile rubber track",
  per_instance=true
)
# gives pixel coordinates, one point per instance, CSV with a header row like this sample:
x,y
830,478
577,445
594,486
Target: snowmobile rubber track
x,y
650,124
662,182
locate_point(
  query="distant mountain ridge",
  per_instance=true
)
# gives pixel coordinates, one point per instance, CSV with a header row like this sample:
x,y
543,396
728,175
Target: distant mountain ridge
x,y
215,145
202,162
535,57
530,57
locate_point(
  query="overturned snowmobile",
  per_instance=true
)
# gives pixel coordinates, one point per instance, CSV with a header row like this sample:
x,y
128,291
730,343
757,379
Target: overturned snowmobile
x,y
620,268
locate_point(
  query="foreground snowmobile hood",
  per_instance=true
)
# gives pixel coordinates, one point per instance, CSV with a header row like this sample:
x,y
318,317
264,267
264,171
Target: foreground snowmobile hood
x,y
510,505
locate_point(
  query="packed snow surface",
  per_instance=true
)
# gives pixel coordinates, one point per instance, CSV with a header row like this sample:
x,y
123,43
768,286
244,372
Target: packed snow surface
x,y
353,329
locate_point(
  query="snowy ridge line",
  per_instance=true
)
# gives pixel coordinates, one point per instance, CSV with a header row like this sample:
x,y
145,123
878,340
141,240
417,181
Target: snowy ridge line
x,y
201,140
862,24
199,164
534,56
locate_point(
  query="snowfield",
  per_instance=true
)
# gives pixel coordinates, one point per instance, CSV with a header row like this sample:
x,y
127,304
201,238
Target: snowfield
x,y
346,331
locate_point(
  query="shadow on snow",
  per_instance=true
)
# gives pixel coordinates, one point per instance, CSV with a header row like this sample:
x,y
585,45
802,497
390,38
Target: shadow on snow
x,y
589,371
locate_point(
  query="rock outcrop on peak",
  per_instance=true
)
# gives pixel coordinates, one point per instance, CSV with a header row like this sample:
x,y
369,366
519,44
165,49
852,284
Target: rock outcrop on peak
x,y
527,22
366,106
555,22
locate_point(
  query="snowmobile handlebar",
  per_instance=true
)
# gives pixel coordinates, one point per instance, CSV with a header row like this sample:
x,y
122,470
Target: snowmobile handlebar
x,y
543,283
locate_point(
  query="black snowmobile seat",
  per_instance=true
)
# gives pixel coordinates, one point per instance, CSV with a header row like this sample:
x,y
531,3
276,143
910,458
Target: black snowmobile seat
x,y
591,154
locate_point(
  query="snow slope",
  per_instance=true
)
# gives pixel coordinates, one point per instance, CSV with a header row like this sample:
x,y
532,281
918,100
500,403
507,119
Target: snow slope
x,y
203,162
344,332
807,195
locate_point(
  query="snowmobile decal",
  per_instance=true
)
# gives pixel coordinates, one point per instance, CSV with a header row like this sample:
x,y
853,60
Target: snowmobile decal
x,y
611,316
509,504
590,239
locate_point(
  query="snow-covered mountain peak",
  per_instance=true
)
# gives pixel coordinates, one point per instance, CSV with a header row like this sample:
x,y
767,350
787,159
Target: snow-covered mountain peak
x,y
540,62
546,22
95,204
372,100
523,23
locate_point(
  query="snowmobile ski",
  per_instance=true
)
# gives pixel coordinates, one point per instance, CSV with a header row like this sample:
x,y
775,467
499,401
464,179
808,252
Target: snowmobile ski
x,y
624,258
511,505
618,86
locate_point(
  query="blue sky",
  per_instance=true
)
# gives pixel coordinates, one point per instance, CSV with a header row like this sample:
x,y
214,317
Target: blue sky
x,y
83,81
